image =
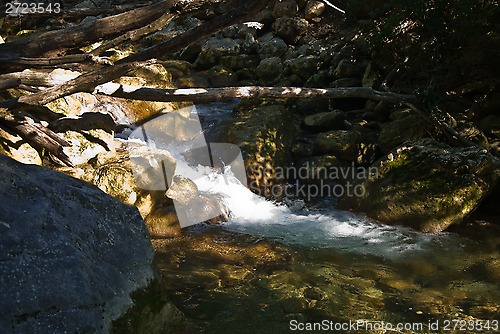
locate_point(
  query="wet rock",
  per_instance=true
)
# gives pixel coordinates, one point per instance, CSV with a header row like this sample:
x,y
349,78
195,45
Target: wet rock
x,y
70,254
314,9
343,143
183,190
325,121
271,46
163,223
427,186
285,8
195,206
290,29
269,69
321,168
399,131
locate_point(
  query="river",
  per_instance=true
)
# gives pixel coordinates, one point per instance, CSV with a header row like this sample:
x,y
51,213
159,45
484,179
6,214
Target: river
x,y
283,267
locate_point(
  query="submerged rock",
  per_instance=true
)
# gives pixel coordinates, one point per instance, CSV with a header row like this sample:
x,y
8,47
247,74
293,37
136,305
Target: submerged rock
x,y
427,186
70,255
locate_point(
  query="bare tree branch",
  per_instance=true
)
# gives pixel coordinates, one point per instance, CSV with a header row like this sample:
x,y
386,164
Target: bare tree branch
x,y
227,93
84,33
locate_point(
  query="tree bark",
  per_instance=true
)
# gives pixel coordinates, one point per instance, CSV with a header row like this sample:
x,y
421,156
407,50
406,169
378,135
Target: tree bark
x,y
239,14
85,33
228,93
39,136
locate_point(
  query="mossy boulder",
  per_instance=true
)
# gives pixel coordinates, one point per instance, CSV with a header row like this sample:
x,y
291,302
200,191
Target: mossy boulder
x,y
324,121
265,135
426,185
398,131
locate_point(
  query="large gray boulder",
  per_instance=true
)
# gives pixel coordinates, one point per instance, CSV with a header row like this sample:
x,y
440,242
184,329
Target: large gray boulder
x,y
70,255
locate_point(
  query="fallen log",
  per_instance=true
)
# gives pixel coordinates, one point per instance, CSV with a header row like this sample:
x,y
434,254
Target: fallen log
x,y
83,83
228,93
85,33
38,136
236,15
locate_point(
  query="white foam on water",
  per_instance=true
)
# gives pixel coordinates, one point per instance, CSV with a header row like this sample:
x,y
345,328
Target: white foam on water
x,y
296,225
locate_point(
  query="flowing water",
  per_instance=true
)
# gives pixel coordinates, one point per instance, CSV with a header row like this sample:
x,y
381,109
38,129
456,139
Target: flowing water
x,y
278,268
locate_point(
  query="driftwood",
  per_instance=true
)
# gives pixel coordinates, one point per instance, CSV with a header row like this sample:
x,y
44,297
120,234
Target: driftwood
x,y
36,78
84,83
6,83
83,34
238,14
38,136
228,93
48,49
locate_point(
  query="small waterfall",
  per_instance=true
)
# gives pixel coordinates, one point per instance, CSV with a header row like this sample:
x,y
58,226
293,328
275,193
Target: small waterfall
x,y
293,223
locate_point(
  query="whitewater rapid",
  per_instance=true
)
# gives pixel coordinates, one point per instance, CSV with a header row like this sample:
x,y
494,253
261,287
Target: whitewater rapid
x,y
294,223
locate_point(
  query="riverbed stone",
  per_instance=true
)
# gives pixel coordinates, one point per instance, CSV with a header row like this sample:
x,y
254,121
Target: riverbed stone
x,y
314,9
285,8
265,135
305,67
325,121
348,68
113,172
290,29
271,46
213,49
397,132
426,185
70,254
269,69
345,144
